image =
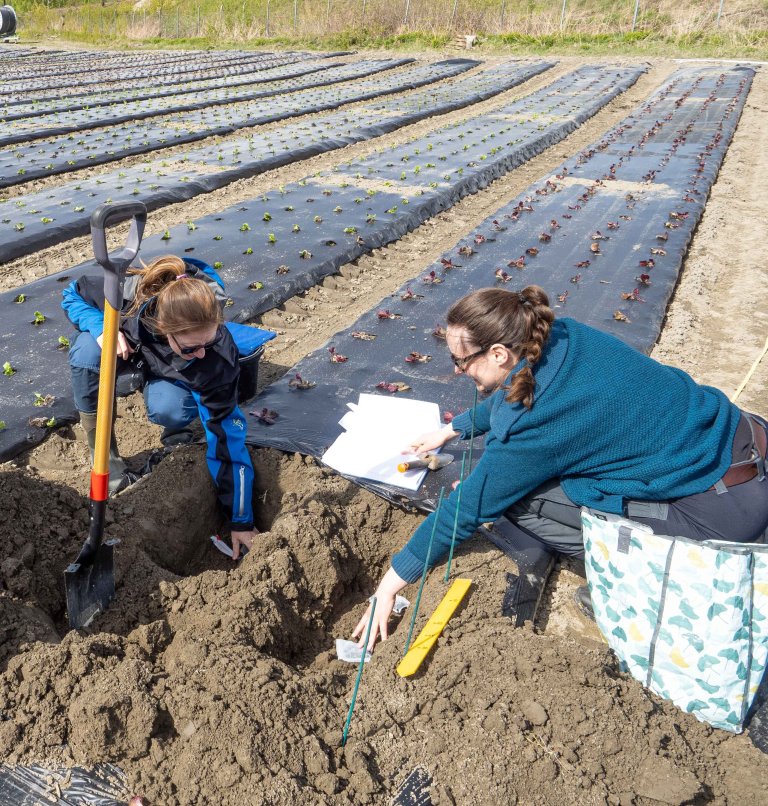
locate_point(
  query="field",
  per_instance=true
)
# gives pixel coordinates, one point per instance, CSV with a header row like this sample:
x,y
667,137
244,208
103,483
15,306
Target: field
x,y
207,684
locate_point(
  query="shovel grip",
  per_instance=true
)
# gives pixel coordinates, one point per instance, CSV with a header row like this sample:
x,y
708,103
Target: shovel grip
x,y
115,265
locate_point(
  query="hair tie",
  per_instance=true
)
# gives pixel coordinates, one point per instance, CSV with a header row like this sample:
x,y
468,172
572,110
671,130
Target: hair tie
x,y
180,276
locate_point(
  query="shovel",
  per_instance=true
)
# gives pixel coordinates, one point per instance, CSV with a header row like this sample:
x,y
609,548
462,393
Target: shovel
x,y
90,580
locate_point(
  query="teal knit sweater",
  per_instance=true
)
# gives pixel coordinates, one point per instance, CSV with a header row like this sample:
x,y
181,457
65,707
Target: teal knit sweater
x,y
609,422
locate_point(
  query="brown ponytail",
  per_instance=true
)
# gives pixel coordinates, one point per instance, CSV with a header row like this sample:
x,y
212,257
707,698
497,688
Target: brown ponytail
x,y
519,320
181,303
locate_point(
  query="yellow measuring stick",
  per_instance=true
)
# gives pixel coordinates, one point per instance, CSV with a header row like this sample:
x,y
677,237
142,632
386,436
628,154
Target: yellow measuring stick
x,y
432,629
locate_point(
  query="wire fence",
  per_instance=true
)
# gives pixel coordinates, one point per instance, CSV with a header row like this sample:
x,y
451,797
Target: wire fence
x,y
254,19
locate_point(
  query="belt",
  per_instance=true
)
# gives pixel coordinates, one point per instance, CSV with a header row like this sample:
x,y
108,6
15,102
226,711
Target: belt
x,y
743,472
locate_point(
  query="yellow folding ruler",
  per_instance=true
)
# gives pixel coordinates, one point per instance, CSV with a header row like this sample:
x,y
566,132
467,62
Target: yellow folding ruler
x,y
432,629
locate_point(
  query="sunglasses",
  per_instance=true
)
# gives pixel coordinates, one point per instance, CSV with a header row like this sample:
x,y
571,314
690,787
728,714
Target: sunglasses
x,y
461,362
193,348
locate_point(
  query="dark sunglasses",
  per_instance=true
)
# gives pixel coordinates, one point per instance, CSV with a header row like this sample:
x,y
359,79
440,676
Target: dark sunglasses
x,y
189,350
461,362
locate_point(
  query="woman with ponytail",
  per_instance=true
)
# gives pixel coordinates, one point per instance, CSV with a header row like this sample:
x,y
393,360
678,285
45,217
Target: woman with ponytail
x,y
173,328
574,417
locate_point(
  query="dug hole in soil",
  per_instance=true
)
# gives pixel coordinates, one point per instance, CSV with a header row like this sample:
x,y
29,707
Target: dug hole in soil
x,y
209,683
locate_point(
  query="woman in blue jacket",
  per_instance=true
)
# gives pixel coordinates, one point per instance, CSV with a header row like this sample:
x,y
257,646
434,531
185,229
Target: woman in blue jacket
x,y
574,417
172,323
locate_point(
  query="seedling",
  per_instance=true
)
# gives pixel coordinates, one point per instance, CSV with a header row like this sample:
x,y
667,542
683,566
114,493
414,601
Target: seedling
x,y
582,264
417,358
191,226
8,369
336,358
562,297
466,251
248,251
448,264
394,386
39,319
350,230
598,236
2,425
432,278
218,265
384,314
295,228
363,336
166,236
266,416
620,316
19,227
439,332
658,251
43,400
517,264
245,228
613,225
594,248
643,279
632,296
409,294
647,264
503,276
305,254
42,422
20,298
63,343
282,269
271,238
46,220
256,285
532,251
297,382
318,219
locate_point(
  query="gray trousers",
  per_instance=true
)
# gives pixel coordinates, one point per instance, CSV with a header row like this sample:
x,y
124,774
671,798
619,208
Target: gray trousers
x,y
738,515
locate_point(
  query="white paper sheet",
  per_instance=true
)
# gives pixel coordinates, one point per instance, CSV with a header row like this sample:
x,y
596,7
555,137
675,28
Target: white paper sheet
x,y
377,429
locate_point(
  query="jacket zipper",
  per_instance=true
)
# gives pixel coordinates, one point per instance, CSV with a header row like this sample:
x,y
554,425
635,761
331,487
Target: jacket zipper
x,y
242,492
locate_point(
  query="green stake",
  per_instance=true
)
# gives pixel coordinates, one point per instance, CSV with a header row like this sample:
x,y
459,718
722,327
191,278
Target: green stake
x,y
424,572
472,432
359,673
455,518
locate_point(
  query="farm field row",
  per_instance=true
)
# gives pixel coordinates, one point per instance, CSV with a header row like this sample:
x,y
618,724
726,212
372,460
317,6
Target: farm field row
x,y
617,162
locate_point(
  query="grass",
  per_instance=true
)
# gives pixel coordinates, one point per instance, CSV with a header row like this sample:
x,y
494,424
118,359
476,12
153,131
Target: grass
x,y
664,27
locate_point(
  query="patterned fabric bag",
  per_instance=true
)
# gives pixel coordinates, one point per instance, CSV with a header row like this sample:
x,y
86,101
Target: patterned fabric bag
x,y
688,619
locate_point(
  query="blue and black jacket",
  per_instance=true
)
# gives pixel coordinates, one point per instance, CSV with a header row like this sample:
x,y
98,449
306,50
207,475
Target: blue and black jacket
x,y
212,381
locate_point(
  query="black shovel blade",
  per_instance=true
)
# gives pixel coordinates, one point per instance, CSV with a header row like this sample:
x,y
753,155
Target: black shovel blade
x,y
90,585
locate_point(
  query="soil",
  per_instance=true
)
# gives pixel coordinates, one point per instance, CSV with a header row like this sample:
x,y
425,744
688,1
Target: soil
x,y
212,683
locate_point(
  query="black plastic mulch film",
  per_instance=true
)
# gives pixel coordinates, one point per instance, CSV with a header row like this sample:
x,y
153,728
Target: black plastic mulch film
x,y
34,221
605,236
22,163
41,126
103,785
287,240
180,68
258,73
169,82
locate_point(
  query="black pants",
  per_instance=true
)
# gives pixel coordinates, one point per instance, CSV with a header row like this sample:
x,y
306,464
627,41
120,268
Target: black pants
x,y
739,515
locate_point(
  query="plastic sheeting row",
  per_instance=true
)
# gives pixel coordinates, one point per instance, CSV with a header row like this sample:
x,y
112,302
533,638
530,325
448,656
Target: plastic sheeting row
x,y
605,236
256,74
33,221
52,124
180,68
281,243
64,153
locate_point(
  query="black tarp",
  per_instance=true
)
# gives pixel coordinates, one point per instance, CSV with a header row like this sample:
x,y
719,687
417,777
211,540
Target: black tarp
x,y
649,176
70,152
31,222
318,224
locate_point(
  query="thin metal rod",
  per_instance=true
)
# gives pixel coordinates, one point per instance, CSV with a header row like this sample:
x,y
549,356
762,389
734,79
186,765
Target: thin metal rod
x,y
634,16
295,15
407,9
266,30
456,517
501,18
562,15
472,433
453,13
424,572
359,674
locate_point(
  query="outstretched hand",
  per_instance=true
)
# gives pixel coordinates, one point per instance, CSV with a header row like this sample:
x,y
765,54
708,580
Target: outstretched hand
x,y
244,539
430,441
390,585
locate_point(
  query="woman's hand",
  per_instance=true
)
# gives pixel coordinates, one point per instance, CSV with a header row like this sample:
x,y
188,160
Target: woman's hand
x,y
431,441
123,348
390,585
242,539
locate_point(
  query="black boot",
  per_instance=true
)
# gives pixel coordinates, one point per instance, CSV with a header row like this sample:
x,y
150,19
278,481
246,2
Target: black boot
x,y
171,439
584,601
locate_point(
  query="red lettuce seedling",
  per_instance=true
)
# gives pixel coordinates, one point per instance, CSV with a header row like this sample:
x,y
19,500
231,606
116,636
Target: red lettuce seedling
x,y
409,294
362,335
417,358
297,382
505,277
336,358
395,386
384,314
432,278
266,416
